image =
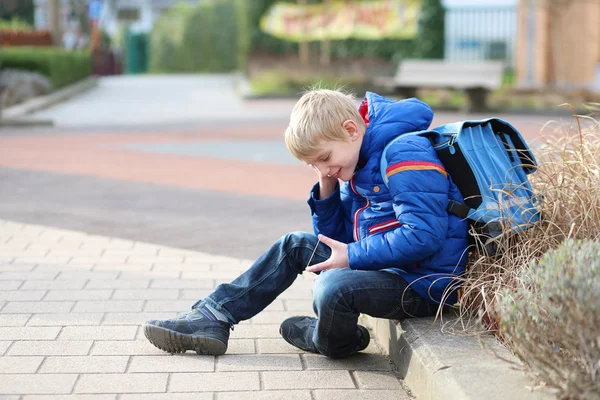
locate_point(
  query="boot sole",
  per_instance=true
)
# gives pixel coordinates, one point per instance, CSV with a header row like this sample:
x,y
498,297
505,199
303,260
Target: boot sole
x,y
175,342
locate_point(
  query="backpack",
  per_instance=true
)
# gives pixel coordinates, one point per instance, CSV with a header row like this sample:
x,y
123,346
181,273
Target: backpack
x,y
489,161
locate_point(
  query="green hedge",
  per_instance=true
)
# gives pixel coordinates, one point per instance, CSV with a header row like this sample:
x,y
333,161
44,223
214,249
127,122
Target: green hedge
x,y
60,66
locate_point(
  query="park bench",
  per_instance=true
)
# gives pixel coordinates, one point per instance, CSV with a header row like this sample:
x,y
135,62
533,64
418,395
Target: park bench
x,y
475,78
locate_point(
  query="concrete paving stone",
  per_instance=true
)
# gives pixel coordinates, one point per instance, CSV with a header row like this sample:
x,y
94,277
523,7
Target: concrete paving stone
x,y
258,362
10,285
63,268
117,284
276,305
37,384
20,365
182,267
88,275
28,333
4,346
125,348
135,318
69,284
98,333
256,331
84,364
194,294
19,295
214,382
173,252
167,396
75,254
272,317
209,258
50,348
15,267
267,395
94,260
276,346
29,276
228,275
360,395
357,362
62,260
167,305
8,397
14,319
121,267
65,319
109,306
126,383
135,259
377,380
182,284
241,346
71,397
86,294
146,294
235,266
22,307
129,252
150,275
273,380
188,362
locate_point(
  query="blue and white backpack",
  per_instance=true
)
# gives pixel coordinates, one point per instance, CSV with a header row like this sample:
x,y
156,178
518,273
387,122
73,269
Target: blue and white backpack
x,y
489,162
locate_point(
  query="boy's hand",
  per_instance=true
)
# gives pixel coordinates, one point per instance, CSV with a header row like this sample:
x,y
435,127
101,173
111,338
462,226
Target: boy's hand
x,y
338,259
326,184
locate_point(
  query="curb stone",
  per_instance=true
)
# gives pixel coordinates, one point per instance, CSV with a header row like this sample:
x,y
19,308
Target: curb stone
x,y
19,111
441,366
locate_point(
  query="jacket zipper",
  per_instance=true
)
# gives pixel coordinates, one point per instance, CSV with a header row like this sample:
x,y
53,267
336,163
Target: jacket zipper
x,y
359,210
383,226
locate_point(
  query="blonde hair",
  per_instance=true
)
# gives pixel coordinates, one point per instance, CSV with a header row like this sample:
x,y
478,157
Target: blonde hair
x,y
318,116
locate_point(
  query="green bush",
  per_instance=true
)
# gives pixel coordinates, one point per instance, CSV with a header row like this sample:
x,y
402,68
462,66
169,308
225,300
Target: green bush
x,y
552,320
60,66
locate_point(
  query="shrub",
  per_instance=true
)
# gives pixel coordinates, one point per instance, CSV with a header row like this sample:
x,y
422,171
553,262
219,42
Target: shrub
x,y
60,66
552,319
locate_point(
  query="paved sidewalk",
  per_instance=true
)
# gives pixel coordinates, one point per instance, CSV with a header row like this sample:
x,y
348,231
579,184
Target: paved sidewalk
x,y
71,306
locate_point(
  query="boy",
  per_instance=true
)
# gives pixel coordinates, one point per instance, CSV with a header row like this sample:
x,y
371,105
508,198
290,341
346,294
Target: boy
x,y
389,250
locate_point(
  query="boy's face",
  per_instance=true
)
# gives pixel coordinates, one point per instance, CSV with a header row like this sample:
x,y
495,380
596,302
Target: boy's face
x,y
338,158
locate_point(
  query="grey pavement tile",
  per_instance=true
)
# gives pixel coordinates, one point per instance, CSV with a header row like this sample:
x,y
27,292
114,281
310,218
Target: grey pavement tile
x,y
181,267
214,381
71,397
22,307
117,284
272,317
22,295
28,333
167,305
267,395
6,267
14,319
98,333
256,331
150,274
86,294
103,267
361,395
176,363
93,260
194,294
109,306
10,397
65,319
259,362
20,365
10,285
241,346
75,253
273,380
182,283
356,362
228,275
85,364
29,276
168,396
126,383
102,275
135,318
68,284
276,346
276,305
125,348
376,380
50,348
4,345
44,384
32,259
140,259
146,294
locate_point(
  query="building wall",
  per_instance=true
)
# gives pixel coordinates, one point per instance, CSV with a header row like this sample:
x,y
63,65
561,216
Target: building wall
x,y
559,48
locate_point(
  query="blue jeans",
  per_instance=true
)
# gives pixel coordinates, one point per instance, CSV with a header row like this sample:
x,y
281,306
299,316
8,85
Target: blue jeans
x,y
339,295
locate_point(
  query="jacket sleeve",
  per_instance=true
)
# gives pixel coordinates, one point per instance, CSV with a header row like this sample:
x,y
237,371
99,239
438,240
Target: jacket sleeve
x,y
419,186
328,215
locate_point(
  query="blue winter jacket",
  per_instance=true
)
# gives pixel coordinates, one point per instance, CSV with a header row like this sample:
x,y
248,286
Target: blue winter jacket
x,y
402,227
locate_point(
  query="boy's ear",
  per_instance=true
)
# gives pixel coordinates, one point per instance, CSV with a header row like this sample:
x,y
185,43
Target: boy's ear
x,y
352,129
